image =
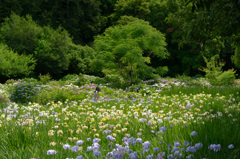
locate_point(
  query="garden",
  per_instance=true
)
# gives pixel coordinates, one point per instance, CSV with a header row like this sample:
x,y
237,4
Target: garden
x,y
164,118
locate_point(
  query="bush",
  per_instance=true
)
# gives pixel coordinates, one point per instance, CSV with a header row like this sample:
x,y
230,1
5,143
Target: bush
x,y
81,79
24,92
226,78
56,93
214,73
44,78
114,80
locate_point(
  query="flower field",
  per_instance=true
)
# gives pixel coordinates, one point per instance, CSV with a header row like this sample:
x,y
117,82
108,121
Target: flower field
x,y
166,119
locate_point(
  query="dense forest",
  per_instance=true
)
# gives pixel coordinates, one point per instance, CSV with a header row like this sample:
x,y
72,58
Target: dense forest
x,y
133,39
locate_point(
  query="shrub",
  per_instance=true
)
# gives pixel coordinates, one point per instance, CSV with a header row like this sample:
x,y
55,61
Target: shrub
x,y
114,80
24,92
81,79
45,78
56,93
214,73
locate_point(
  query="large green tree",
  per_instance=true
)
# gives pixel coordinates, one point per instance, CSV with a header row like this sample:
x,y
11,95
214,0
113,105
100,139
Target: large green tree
x,y
126,49
21,34
13,65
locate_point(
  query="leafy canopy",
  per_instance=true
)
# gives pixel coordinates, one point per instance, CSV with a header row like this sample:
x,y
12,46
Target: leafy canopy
x,y
14,65
125,49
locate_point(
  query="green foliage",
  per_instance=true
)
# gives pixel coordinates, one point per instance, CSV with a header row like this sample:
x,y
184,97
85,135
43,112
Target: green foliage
x,y
236,56
28,80
135,8
114,81
214,72
81,57
57,93
53,52
20,34
125,50
23,92
45,78
13,65
81,79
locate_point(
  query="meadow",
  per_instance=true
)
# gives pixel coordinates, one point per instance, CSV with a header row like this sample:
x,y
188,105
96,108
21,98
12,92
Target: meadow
x,y
168,119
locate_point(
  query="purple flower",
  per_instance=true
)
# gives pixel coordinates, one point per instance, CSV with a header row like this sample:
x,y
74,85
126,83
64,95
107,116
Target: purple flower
x,y
198,145
191,149
149,157
89,139
57,119
75,148
109,137
51,152
66,146
169,146
96,153
90,148
96,146
139,140
214,147
80,157
145,148
194,133
160,155
132,141
143,119
176,144
146,144
133,155
80,142
175,149
170,156
189,156
186,143
96,140
177,154
231,146
156,149
162,129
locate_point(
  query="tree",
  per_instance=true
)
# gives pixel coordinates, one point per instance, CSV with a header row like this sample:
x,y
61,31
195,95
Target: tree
x,y
13,65
125,49
53,52
136,8
81,18
204,21
20,34
81,57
